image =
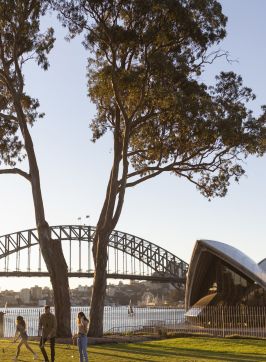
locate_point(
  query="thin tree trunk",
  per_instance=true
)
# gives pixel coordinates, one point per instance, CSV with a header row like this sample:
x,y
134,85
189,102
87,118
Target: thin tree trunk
x,y
99,286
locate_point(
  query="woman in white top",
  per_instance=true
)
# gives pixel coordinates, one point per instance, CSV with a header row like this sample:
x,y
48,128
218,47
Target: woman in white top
x,y
82,323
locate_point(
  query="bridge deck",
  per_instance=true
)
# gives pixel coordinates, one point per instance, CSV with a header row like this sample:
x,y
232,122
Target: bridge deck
x,y
129,256
164,279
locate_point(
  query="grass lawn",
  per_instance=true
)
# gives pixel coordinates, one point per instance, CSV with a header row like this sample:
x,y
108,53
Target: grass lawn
x,y
169,350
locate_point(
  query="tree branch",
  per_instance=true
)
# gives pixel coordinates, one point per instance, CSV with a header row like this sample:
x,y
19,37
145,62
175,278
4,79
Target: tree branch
x,y
147,177
143,87
17,171
180,167
145,118
122,183
8,117
117,95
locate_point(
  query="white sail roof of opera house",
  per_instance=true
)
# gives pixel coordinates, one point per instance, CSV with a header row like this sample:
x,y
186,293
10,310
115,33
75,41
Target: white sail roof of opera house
x,y
239,260
262,264
232,256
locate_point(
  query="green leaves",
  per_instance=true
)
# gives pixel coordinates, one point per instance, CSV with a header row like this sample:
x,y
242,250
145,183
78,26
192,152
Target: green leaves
x,y
10,146
43,45
20,41
145,59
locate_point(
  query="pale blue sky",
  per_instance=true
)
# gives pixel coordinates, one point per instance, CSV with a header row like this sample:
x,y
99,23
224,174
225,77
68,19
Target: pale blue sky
x,y
167,211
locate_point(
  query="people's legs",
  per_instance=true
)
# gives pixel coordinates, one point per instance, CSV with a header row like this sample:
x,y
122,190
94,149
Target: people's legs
x,y
42,343
18,348
52,347
28,347
79,343
84,344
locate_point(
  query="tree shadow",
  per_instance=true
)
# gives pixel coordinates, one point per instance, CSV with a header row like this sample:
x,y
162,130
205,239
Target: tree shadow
x,y
173,352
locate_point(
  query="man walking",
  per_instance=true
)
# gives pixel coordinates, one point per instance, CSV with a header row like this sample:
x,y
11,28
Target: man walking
x,y
47,327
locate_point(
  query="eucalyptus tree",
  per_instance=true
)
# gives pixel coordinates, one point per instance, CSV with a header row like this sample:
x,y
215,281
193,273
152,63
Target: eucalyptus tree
x,y
20,42
145,66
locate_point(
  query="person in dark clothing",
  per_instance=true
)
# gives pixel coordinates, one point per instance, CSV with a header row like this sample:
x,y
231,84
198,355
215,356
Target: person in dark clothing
x,y
47,327
22,333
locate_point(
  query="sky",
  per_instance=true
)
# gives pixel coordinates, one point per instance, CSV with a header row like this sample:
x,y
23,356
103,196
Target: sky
x,y
166,210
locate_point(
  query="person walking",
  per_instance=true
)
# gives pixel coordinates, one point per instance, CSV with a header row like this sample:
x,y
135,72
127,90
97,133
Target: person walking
x,y
82,339
22,333
47,327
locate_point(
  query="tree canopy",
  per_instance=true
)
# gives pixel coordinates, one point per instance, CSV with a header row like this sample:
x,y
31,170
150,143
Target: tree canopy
x,y
145,64
20,41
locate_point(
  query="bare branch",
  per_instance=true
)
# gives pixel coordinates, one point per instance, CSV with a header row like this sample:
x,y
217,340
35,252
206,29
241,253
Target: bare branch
x,y
17,171
145,178
189,178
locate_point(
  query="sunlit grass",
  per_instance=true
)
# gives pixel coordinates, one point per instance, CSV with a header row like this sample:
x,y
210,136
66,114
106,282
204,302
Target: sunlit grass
x,y
170,350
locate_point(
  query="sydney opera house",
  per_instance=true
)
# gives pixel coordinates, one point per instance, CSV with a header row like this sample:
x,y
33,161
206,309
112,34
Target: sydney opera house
x,y
220,274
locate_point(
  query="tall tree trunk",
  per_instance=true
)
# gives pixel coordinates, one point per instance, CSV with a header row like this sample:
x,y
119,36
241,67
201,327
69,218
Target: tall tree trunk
x,y
99,285
108,219
51,249
53,256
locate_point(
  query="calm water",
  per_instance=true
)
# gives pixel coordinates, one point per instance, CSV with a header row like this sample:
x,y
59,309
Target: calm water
x,y
116,319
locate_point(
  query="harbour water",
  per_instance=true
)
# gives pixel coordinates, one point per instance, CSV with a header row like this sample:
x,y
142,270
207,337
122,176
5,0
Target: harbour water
x,y
116,319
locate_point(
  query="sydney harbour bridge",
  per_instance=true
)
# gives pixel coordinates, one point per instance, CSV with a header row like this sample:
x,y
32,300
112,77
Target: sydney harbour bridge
x,y
129,256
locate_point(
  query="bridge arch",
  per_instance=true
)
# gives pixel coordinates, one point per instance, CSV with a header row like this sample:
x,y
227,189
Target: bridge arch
x,y
164,265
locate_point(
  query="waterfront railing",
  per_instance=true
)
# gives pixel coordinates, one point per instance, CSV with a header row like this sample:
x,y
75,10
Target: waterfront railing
x,y
219,321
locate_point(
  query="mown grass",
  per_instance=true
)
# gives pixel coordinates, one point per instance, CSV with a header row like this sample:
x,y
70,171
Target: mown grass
x,y
169,350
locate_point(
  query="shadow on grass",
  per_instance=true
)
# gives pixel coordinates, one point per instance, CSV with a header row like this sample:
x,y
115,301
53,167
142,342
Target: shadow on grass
x,y
132,354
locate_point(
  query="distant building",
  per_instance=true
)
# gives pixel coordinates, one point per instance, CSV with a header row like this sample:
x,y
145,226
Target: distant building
x,y
148,299
25,295
9,298
133,282
111,290
36,293
47,294
220,274
82,288
42,302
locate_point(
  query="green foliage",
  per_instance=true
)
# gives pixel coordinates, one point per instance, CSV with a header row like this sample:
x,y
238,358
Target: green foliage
x,y
10,146
20,41
146,59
